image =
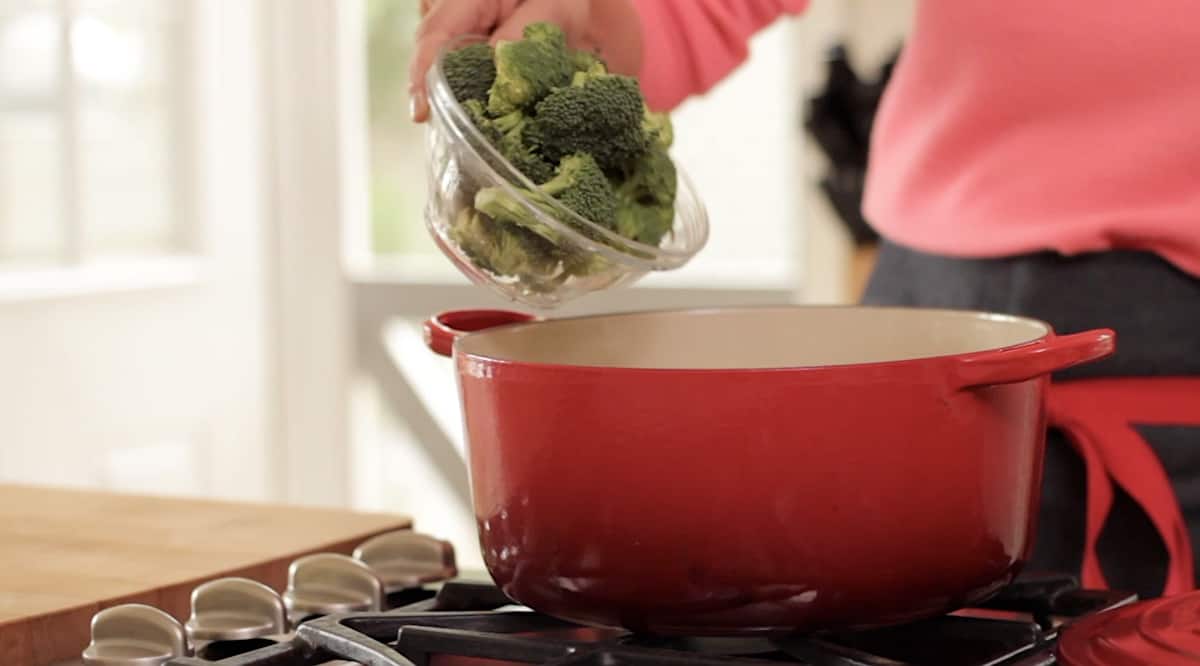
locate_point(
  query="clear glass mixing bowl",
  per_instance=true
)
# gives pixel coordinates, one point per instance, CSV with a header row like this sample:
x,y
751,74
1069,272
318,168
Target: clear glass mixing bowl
x,y
586,257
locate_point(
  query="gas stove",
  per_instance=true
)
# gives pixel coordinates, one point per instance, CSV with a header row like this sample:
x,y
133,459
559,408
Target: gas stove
x,y
400,600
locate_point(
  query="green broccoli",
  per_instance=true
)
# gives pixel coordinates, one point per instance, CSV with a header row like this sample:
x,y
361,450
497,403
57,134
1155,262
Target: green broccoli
x,y
601,116
583,265
658,128
470,71
651,179
588,142
579,185
646,197
644,223
506,133
582,187
499,205
493,129
528,69
503,249
588,62
477,113
546,33
509,122
524,158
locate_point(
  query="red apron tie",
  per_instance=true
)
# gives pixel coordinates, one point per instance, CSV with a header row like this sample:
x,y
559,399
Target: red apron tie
x,y
1098,416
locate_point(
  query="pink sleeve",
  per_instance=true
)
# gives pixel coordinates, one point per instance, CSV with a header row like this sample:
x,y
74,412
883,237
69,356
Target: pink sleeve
x,y
688,46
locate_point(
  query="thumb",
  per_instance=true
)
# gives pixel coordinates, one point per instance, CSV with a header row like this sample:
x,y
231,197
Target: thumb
x,y
443,21
570,15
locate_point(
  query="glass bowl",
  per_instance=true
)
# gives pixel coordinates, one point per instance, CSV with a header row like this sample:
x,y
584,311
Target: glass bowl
x,y
573,256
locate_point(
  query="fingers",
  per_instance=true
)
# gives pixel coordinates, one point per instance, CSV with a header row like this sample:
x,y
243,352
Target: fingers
x,y
610,26
443,21
615,28
570,15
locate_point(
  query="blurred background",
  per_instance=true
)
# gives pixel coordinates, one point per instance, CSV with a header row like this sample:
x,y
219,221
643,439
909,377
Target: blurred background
x,y
213,265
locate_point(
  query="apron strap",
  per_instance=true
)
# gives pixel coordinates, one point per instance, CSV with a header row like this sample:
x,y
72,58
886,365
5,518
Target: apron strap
x,y
1101,431
1099,500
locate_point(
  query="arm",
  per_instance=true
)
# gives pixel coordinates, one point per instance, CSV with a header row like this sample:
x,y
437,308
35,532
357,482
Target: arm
x,y
688,46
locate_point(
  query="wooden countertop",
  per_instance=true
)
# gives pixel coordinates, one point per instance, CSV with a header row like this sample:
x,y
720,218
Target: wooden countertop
x,y
66,554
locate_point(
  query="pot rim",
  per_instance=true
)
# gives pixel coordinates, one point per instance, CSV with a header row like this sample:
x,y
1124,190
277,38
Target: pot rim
x,y
1048,332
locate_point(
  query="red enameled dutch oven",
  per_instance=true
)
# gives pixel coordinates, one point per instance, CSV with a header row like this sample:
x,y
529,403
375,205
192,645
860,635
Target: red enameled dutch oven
x,y
755,470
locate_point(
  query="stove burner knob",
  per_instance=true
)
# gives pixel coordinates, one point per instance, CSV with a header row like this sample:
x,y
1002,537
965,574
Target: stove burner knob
x,y
405,559
134,635
235,609
330,583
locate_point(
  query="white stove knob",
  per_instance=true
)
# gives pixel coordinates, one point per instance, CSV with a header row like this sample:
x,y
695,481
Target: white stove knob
x,y
234,609
405,559
134,635
329,583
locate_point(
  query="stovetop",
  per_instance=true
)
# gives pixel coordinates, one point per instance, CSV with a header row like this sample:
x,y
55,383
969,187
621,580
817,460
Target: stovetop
x,y
474,620
404,603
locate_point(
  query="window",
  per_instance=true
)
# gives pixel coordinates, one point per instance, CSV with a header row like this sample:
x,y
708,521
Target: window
x,y
93,161
397,146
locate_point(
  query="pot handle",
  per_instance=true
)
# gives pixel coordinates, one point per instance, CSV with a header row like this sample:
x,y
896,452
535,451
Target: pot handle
x,y
443,329
1029,361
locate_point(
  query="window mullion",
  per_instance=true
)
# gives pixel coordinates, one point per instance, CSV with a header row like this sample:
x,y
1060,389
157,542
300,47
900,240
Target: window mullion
x,y
72,215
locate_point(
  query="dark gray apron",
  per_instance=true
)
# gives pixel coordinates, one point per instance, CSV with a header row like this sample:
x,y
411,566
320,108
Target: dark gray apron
x,y
1155,310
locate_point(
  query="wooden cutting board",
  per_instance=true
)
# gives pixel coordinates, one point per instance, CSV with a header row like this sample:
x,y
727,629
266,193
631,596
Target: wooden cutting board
x,y
66,554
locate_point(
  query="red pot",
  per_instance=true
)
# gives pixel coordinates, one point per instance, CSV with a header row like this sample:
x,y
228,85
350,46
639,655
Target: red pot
x,y
740,471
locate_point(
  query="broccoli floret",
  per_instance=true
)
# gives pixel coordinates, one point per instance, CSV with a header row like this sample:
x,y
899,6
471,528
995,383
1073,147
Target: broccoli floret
x,y
602,116
477,112
506,133
503,249
583,265
646,198
578,184
658,128
509,122
644,223
523,157
651,179
546,33
586,140
528,69
588,63
499,205
581,186
470,71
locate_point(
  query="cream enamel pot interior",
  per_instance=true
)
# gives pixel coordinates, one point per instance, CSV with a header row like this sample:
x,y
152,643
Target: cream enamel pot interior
x,y
755,470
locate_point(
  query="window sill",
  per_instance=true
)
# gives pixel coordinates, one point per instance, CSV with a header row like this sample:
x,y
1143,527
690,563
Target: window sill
x,y
101,278
429,270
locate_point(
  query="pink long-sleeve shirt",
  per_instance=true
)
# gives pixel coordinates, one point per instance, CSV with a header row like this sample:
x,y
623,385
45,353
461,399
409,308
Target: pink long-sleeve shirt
x,y
1008,127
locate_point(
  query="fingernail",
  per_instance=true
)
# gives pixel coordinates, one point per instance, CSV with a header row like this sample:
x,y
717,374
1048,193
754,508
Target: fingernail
x,y
416,106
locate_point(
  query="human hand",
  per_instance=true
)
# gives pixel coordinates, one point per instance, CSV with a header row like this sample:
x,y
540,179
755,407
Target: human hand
x,y
610,27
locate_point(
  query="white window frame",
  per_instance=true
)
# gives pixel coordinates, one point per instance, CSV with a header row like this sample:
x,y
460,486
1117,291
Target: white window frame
x,y
74,275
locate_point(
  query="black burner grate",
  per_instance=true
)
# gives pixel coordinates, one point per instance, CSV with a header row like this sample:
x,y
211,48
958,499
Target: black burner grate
x,y
471,620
